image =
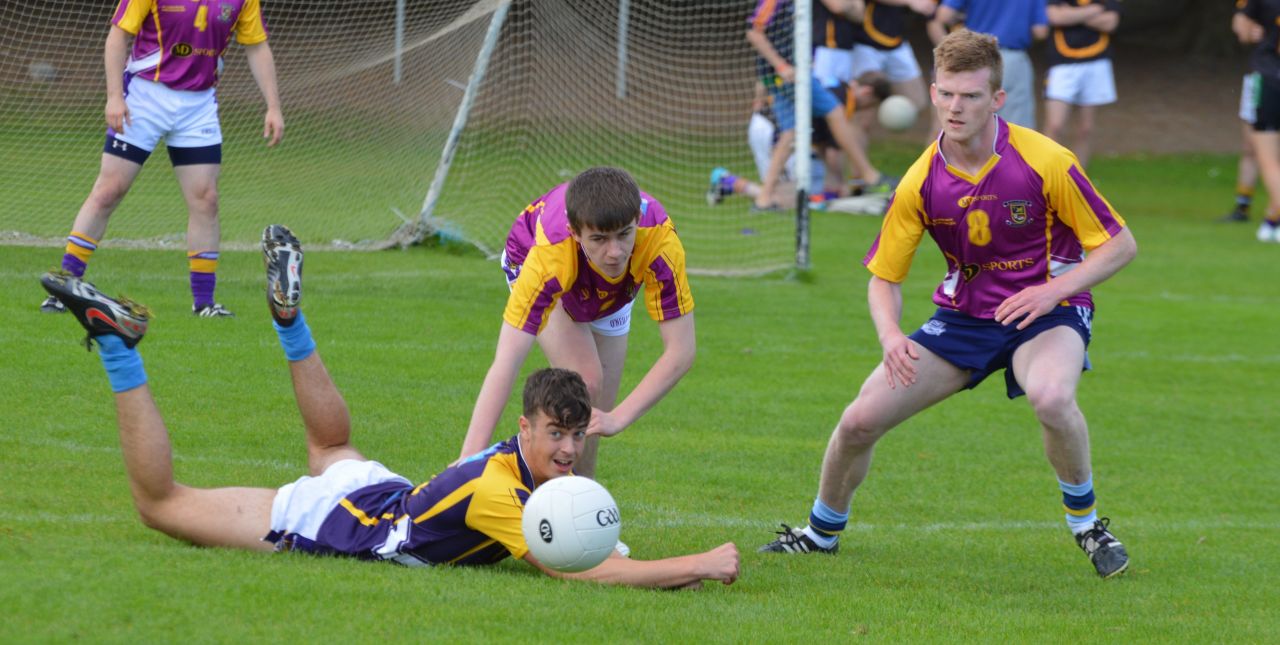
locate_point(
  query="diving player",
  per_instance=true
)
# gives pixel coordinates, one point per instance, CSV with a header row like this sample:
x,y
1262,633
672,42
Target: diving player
x,y
469,514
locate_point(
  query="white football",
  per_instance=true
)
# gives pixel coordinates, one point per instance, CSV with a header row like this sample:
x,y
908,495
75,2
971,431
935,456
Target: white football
x,y
571,523
897,113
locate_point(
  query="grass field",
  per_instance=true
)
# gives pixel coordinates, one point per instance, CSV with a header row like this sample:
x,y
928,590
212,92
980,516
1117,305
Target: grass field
x,y
956,536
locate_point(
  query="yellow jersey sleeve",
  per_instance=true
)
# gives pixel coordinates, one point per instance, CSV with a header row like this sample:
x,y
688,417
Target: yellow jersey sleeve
x,y
496,509
1070,195
250,29
662,270
547,272
891,254
130,14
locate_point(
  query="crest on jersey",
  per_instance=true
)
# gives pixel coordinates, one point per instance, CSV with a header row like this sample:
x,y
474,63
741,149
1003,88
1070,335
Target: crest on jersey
x,y
971,271
1017,212
226,11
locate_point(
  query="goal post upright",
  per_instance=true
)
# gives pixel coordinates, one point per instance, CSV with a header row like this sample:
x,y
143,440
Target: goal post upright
x,y
804,125
459,123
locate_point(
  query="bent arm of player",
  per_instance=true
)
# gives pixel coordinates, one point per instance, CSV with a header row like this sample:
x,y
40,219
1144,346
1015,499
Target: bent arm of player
x,y
719,564
1098,265
884,298
1061,15
765,48
263,67
115,55
678,349
850,9
1105,22
513,348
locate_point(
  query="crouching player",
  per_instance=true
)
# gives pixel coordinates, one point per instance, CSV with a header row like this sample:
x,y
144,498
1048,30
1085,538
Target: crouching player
x,y
589,245
348,505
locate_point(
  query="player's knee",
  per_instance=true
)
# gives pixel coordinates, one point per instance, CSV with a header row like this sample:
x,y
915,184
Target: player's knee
x,y
107,193
204,200
1052,401
858,429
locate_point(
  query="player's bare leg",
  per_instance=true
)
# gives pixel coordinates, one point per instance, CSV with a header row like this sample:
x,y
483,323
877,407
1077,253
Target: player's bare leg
x,y
1048,368
324,413
1056,114
777,164
229,517
199,184
877,409
115,177
1246,177
1084,134
842,131
1266,148
571,345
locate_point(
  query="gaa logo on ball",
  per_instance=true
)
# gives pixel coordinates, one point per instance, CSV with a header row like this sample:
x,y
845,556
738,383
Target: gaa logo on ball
x,y
571,523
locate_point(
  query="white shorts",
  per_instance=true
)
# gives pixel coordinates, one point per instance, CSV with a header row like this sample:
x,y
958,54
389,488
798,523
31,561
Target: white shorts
x,y
301,507
1249,97
760,139
184,119
899,63
616,324
832,66
1085,84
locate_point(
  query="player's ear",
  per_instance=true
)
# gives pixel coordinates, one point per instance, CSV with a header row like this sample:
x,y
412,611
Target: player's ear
x,y
526,428
998,100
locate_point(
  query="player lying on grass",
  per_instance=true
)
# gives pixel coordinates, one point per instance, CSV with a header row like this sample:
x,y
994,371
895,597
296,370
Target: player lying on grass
x,y
1014,215
468,514
575,260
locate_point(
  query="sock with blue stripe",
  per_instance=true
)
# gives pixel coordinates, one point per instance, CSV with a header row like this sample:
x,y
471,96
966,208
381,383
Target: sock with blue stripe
x,y
1079,502
296,338
123,364
825,524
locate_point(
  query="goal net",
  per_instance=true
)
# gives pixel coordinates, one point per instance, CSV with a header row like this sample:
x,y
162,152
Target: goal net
x,y
371,92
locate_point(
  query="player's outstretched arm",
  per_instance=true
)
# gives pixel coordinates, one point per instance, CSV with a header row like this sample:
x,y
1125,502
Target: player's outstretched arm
x,y
513,348
263,67
720,564
114,57
678,350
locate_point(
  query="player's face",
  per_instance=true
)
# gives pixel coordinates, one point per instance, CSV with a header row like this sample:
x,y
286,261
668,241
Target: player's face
x,y
549,449
608,251
965,102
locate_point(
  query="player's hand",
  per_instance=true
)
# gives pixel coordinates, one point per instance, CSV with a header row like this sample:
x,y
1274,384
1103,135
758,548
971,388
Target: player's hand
x,y
788,74
273,127
603,424
721,563
117,112
900,358
1028,304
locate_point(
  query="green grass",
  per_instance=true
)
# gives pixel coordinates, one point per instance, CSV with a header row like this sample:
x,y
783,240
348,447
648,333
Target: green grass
x,y
957,534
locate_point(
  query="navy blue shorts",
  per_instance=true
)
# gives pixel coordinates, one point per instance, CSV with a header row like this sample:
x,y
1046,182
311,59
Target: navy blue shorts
x,y
984,346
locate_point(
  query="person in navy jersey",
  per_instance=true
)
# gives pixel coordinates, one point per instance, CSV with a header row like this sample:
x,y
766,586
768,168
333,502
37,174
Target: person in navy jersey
x,y
468,514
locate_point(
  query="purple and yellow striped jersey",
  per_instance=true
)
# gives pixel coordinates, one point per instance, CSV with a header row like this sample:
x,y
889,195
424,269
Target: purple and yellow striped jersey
x,y
180,42
468,514
1027,216
550,266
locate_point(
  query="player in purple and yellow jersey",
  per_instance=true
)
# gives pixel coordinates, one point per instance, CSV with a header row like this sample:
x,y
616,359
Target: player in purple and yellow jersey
x,y
469,514
1079,67
163,87
1258,22
1025,236
575,260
